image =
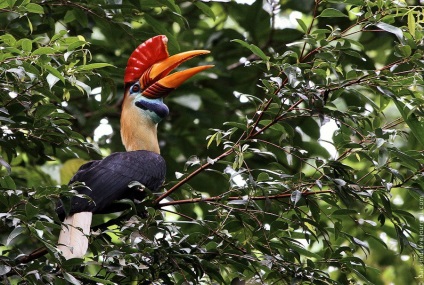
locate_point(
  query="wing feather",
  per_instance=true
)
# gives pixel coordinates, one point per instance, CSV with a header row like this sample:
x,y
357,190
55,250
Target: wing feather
x,y
107,180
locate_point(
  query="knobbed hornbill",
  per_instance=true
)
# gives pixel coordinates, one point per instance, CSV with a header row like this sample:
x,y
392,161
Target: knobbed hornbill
x,y
147,81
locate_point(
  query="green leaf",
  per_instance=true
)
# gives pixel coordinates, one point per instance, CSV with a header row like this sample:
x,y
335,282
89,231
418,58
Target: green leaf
x,y
7,182
76,45
403,51
210,139
34,8
51,80
54,72
393,30
4,269
205,9
302,250
44,50
15,233
71,279
4,4
26,45
361,95
411,24
45,110
58,35
302,25
31,29
362,244
256,50
383,156
5,165
382,219
31,210
352,260
263,176
386,204
69,168
108,89
237,125
415,124
92,66
331,13
405,159
212,270
295,196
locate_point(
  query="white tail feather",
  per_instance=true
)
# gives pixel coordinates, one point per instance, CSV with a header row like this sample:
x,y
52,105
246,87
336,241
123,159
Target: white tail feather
x,y
73,238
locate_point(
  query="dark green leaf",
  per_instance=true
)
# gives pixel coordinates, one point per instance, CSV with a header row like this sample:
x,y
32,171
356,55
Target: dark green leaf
x,y
416,125
332,13
4,269
342,212
256,50
383,156
205,9
31,210
7,182
71,279
295,197
94,279
15,233
45,110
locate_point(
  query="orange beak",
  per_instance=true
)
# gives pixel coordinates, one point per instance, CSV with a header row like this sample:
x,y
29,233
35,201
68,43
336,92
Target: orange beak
x,y
156,81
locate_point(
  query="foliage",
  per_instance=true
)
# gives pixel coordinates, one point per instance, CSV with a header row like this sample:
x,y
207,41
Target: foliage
x,y
297,159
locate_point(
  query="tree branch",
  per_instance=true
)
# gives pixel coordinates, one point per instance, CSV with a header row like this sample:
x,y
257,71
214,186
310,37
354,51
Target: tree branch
x,y
191,175
258,198
39,252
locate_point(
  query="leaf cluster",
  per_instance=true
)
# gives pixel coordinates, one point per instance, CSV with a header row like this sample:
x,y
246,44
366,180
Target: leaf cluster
x,y
296,160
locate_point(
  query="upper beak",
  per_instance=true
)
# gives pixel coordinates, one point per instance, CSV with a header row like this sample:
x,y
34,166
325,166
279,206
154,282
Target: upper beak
x,y
156,82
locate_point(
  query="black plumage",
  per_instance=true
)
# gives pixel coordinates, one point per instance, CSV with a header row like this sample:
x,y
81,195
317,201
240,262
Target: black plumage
x,y
106,181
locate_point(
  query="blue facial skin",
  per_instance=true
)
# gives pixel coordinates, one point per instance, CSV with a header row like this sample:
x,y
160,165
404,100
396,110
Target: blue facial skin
x,y
154,108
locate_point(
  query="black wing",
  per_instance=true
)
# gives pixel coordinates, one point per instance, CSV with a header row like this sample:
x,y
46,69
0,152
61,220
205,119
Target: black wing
x,y
107,180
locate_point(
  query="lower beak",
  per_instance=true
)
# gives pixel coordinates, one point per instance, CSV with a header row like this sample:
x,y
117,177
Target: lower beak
x,y
156,82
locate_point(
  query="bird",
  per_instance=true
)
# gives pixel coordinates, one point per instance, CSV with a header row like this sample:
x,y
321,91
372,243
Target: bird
x,y
99,183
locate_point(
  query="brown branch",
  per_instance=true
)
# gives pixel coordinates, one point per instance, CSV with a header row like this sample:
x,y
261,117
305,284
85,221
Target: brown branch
x,y
260,117
191,175
317,2
258,198
295,155
39,252
252,133
225,154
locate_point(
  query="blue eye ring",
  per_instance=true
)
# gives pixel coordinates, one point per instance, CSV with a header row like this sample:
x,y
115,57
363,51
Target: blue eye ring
x,y
135,88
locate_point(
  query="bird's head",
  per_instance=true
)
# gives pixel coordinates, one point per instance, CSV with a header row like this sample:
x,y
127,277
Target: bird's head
x,y
148,80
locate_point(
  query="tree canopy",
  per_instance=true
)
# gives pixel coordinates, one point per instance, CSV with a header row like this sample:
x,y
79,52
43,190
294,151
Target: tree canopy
x,y
297,159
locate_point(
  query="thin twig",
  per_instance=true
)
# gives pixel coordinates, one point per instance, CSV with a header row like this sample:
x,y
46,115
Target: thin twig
x,y
257,198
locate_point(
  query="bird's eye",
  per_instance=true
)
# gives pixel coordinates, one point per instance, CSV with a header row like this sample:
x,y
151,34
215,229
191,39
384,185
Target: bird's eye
x,y
135,88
